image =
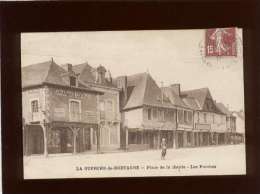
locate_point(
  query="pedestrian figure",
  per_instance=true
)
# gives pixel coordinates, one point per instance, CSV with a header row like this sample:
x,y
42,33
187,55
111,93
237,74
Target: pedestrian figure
x,y
164,148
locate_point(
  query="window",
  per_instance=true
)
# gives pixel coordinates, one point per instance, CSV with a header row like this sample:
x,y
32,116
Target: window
x,y
180,116
72,81
169,115
102,105
34,106
75,110
102,109
155,113
227,119
109,106
149,114
205,117
213,118
185,117
161,115
189,117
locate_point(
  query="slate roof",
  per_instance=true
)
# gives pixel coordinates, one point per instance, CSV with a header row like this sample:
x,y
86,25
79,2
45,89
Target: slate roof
x,y
174,98
223,109
192,103
47,72
198,94
143,90
87,74
196,99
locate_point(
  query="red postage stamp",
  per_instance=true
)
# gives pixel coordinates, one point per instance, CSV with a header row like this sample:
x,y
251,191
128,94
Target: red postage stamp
x,y
221,42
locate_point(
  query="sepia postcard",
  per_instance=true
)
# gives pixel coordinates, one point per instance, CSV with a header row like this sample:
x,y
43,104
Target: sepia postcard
x,y
139,103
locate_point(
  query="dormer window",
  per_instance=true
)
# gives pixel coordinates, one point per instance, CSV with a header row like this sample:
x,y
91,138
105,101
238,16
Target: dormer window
x,y
73,81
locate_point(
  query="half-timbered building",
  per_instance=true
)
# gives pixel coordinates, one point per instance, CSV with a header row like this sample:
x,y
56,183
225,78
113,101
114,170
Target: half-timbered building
x,y
148,114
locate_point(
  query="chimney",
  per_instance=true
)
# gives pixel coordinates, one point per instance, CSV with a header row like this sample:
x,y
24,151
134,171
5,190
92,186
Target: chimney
x,y
176,88
101,71
122,84
69,67
108,76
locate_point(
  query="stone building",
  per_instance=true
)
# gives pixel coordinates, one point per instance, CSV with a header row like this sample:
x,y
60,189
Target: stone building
x,y
59,110
100,79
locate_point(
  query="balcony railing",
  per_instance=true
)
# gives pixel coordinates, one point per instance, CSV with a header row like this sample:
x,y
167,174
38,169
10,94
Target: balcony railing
x,y
75,117
36,116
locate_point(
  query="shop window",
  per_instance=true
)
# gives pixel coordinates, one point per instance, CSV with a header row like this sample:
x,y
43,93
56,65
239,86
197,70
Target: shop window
x,y
94,137
189,137
113,135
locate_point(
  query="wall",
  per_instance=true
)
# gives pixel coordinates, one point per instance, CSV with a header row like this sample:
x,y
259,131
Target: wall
x,y
111,132
240,124
57,102
113,96
27,96
183,125
134,118
216,124
167,123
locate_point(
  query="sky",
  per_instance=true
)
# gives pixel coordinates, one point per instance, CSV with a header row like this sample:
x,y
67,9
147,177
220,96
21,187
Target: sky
x,y
170,56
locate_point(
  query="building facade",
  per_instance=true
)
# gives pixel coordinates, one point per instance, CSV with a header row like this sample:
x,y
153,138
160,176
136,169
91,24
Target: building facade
x,y
59,111
100,79
147,114
79,108
183,134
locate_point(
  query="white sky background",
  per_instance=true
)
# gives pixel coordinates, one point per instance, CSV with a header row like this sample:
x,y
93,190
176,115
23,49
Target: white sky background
x,y
171,56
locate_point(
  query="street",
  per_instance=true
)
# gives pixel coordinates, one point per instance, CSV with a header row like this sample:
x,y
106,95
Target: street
x,y
215,160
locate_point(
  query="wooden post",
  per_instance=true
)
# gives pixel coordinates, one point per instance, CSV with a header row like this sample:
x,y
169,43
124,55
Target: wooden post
x,y
142,137
44,128
75,133
159,139
174,140
217,138
98,138
126,138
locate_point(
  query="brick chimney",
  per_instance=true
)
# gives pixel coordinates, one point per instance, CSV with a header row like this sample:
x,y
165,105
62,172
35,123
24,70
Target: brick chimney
x,y
101,72
176,88
122,84
69,67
